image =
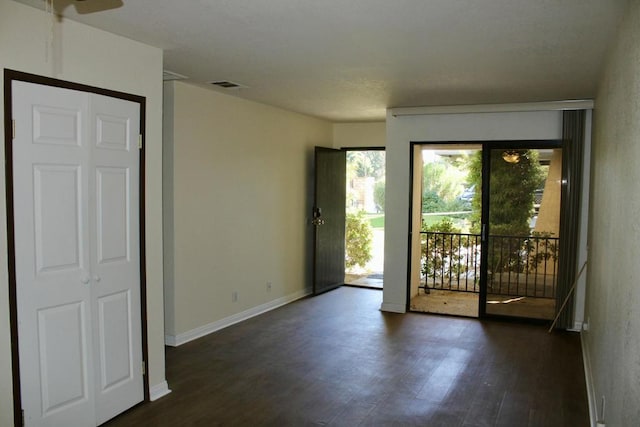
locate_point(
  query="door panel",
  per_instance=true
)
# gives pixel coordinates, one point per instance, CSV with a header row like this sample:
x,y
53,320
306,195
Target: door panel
x,y
115,262
57,200
113,132
56,125
523,231
329,219
113,214
52,262
115,339
63,359
76,224
445,275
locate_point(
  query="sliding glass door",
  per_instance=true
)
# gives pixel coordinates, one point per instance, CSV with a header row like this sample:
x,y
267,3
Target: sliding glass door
x,y
485,228
522,231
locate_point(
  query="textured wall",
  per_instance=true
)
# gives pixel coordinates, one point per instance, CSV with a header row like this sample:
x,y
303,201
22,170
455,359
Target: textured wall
x,y
613,290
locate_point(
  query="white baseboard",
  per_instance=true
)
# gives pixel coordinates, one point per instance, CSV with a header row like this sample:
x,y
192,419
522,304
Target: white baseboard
x,y
577,327
185,337
393,308
588,377
159,390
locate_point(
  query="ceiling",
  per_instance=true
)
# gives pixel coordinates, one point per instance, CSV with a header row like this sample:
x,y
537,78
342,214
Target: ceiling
x,y
348,60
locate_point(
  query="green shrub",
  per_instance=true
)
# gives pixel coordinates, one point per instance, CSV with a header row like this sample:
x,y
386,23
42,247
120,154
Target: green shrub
x,y
359,238
441,256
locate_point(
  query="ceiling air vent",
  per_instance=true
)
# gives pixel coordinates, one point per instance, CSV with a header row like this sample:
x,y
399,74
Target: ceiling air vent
x,y
226,84
170,75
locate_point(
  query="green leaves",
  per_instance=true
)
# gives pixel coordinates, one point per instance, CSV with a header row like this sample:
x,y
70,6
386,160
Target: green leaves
x,y
359,237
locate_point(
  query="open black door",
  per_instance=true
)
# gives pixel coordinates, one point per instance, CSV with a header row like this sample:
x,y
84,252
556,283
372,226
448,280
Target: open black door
x,y
329,219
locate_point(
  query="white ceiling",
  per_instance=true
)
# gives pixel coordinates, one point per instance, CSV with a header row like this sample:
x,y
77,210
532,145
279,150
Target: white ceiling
x,y
348,60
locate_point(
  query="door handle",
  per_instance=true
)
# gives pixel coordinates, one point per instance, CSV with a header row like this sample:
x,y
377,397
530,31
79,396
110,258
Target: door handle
x,y
85,280
317,217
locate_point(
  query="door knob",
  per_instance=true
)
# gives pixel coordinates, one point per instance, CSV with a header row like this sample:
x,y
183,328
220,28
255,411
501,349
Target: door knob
x,y
85,280
317,221
97,278
317,217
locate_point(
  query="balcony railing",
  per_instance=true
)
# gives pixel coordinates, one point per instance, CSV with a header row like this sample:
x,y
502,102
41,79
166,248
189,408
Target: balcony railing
x,y
517,265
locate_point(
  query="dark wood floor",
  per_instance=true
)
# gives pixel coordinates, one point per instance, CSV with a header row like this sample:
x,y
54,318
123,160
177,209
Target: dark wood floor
x,y
337,360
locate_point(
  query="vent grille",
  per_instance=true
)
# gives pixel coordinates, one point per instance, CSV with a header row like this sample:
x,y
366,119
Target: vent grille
x,y
226,84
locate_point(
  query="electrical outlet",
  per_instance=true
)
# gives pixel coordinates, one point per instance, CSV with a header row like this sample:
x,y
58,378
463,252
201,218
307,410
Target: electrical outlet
x,y
269,285
234,296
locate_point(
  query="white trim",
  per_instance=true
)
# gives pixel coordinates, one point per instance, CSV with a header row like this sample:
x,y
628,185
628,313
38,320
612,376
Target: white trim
x,y
579,104
588,377
393,308
185,337
577,327
159,390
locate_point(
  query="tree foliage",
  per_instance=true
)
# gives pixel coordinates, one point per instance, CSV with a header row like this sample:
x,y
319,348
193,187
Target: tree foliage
x,y
366,163
511,200
359,238
442,182
378,193
511,192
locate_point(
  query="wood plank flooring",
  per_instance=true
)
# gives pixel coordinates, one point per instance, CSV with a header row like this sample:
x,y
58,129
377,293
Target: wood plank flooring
x,y
336,360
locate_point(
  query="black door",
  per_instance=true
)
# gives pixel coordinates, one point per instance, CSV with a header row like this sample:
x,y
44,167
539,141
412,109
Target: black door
x,y
329,219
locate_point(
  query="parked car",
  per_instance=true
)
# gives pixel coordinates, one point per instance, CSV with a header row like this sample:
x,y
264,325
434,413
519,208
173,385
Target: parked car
x,y
468,193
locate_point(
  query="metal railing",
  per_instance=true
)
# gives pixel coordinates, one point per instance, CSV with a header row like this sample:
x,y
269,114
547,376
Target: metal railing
x,y
517,265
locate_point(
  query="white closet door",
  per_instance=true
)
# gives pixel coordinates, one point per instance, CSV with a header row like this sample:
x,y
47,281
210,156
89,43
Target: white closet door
x,y
77,255
50,189
115,255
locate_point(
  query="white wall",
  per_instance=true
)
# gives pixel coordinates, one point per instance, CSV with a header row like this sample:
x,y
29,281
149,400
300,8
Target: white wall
x,y
353,135
612,344
85,55
468,126
241,190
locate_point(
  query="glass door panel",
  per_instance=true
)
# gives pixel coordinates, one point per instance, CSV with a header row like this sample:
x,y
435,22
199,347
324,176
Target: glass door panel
x,y
523,232
445,268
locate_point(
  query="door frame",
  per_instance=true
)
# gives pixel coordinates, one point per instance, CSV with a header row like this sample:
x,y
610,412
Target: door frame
x,y
487,146
9,77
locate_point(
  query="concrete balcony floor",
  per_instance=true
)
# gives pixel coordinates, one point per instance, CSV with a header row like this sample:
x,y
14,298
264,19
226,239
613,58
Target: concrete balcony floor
x,y
466,304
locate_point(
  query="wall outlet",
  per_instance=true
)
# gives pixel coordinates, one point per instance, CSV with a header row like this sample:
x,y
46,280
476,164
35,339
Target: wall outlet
x,y
234,296
269,285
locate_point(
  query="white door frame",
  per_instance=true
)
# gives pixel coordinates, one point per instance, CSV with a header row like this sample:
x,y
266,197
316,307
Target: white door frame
x,y
9,77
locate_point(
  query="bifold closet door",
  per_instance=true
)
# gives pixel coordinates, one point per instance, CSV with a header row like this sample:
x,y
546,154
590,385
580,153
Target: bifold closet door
x,y
76,229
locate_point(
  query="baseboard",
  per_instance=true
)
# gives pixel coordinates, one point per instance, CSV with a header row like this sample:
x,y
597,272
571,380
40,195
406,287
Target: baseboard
x,y
393,308
185,337
577,327
159,390
588,377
